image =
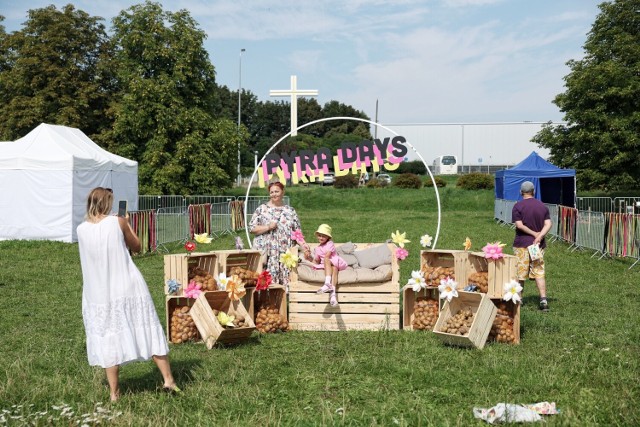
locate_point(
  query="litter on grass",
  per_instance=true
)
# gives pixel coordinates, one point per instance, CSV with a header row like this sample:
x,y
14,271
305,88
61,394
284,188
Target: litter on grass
x,y
513,413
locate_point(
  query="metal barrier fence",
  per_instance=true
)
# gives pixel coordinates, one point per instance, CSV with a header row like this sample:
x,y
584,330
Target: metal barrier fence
x,y
160,202
609,234
629,205
590,231
172,225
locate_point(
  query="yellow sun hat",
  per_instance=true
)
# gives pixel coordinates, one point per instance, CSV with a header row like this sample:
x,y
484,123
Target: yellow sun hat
x,y
324,229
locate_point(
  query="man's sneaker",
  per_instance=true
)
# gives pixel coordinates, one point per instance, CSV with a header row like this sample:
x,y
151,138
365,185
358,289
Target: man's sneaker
x,y
326,288
544,305
333,300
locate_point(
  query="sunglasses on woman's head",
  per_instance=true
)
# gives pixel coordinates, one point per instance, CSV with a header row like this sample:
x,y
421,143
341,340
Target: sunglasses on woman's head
x,y
109,190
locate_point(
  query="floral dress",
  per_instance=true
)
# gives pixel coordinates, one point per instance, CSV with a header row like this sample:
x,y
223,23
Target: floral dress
x,y
276,242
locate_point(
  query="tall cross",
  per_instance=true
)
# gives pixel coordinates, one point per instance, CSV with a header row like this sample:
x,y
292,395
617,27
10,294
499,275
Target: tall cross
x,y
294,93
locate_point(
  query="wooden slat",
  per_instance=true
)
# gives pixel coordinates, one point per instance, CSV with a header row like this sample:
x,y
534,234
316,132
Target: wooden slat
x,y
343,322
345,297
343,308
381,287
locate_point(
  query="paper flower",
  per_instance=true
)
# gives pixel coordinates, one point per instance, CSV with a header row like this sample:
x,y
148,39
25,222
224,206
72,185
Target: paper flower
x,y
202,238
264,280
399,238
401,253
297,236
426,240
417,280
190,246
173,286
448,289
239,243
512,291
493,250
222,281
235,288
192,290
467,244
225,319
289,260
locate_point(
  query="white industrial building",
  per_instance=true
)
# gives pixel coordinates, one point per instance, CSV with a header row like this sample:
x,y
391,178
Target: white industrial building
x,y
476,145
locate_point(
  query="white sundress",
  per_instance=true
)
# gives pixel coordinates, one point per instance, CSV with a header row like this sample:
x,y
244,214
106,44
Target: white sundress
x,y
119,316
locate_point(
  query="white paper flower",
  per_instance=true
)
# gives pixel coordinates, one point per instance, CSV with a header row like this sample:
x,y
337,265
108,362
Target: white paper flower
x,y
426,240
512,291
417,281
222,281
448,289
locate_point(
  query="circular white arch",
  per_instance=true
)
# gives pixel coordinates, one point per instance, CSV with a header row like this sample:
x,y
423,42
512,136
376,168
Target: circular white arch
x,y
435,187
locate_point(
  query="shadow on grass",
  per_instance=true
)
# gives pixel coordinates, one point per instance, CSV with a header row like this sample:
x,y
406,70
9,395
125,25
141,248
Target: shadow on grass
x,y
152,380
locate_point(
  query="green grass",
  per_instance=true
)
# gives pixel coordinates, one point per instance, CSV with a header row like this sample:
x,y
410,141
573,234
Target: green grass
x,y
583,355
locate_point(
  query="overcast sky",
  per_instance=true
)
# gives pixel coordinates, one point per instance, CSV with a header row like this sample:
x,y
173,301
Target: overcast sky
x,y
425,61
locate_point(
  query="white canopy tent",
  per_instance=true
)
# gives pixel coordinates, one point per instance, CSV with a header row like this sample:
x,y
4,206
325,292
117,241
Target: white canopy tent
x,y
45,178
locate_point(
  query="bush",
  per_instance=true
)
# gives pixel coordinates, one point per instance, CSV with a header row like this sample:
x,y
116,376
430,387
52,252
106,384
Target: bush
x,y
408,180
415,166
347,181
374,183
475,181
440,182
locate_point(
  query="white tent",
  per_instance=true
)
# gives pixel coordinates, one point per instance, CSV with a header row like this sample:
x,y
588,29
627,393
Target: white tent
x,y
45,178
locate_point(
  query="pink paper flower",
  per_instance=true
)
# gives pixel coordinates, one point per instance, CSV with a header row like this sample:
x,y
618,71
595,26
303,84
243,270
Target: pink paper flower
x,y
297,236
192,290
493,250
190,246
401,253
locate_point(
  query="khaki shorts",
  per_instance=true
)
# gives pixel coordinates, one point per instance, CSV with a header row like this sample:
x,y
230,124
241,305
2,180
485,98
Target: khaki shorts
x,y
527,268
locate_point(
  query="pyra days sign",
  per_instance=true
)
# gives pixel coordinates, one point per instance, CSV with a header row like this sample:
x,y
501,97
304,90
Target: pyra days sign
x,y
309,166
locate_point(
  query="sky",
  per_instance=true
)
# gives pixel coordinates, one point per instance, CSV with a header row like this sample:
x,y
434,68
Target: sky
x,y
420,61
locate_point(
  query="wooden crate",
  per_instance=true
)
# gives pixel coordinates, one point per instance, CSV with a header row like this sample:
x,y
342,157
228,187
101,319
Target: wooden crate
x,y
276,295
409,297
172,303
500,271
210,329
246,259
511,311
177,266
484,312
445,258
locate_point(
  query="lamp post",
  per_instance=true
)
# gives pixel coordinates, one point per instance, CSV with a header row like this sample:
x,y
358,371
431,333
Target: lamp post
x,y
239,107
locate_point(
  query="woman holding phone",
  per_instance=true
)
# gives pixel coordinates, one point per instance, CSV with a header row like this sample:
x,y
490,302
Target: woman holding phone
x,y
120,319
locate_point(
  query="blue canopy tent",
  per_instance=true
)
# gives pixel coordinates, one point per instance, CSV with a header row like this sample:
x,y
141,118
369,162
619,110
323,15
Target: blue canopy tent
x,y
553,184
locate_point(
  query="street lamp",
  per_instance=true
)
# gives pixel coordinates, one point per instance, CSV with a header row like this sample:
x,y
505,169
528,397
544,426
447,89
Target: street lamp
x,y
239,106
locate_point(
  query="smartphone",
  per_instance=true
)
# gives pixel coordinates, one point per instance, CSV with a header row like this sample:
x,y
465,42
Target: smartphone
x,y
122,208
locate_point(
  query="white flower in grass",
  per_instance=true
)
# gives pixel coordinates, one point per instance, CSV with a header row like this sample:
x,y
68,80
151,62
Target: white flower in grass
x,y
512,291
426,240
417,281
448,289
222,281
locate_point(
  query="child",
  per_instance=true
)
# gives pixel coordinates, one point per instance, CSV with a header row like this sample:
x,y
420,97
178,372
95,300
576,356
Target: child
x,y
326,258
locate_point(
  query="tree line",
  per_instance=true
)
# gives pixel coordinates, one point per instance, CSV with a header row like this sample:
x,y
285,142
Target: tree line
x,y
147,91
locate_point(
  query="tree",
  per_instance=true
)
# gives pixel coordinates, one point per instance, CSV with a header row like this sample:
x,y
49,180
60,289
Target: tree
x,y
166,98
601,139
49,72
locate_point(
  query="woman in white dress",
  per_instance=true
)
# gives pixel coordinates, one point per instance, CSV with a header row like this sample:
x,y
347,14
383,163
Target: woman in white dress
x,y
119,316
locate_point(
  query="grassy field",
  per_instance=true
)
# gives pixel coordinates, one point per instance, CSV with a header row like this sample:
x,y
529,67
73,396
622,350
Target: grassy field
x,y
583,355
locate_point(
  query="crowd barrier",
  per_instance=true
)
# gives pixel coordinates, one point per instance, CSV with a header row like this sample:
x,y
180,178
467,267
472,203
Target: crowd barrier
x,y
169,219
608,234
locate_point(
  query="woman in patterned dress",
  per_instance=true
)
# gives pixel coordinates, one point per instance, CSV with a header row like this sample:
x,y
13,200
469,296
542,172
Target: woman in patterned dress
x,y
272,224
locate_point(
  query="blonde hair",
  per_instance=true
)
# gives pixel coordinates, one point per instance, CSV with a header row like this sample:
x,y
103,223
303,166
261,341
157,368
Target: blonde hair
x,y
99,203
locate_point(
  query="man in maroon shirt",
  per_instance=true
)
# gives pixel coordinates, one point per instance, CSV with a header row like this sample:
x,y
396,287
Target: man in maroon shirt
x,y
532,221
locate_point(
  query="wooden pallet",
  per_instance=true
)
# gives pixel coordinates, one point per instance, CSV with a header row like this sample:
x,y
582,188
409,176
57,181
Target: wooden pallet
x,y
362,306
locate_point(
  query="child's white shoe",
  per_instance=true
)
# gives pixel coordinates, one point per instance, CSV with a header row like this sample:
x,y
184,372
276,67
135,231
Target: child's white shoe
x,y
327,287
333,300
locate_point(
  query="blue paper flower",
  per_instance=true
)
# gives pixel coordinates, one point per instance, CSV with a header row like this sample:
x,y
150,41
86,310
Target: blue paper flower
x,y
173,286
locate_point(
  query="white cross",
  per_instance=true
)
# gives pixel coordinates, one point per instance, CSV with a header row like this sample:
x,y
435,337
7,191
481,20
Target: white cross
x,y
294,93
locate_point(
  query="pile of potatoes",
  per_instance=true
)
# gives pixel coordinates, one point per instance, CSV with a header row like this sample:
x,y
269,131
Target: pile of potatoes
x,y
425,313
502,328
248,277
481,280
238,321
433,275
460,323
203,278
269,319
183,328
